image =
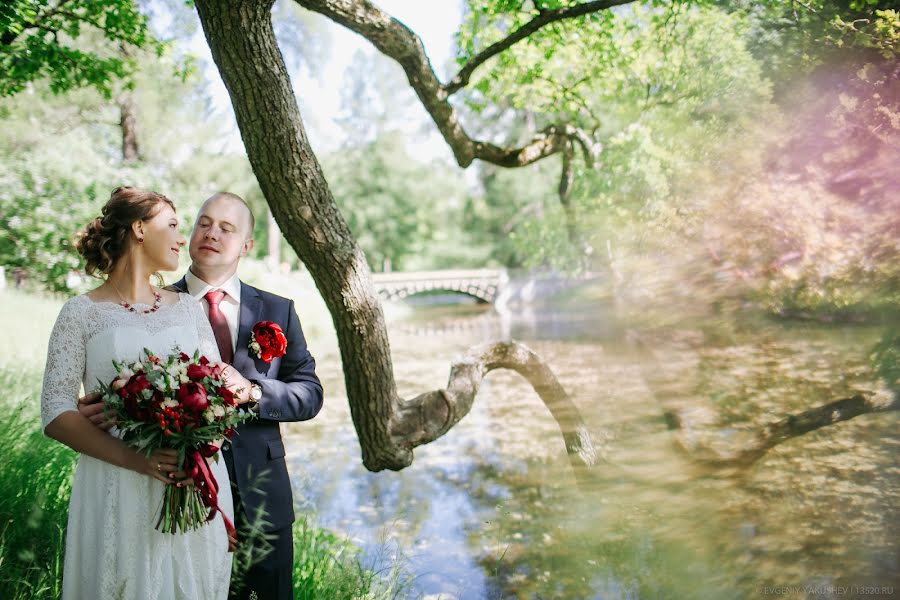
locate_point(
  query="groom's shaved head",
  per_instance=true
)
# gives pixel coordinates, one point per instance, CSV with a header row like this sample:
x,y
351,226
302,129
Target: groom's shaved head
x,y
251,221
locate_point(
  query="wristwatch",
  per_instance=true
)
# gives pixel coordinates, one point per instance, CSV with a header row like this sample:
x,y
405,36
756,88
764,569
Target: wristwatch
x,y
255,397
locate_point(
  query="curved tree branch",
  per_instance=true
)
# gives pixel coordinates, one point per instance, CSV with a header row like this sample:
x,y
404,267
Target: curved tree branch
x,y
713,450
545,17
696,429
428,416
395,40
566,179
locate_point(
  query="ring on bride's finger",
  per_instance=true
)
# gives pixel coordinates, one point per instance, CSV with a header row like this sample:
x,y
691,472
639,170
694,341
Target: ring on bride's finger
x,y
158,467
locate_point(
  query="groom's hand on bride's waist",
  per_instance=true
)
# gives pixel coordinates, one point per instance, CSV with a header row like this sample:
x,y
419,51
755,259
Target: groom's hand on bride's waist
x,y
92,407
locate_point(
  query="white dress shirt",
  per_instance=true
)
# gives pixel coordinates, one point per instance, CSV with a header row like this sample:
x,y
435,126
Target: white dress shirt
x,y
230,304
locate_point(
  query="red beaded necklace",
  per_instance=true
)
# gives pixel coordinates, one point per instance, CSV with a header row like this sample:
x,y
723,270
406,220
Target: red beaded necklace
x,y
157,297
154,308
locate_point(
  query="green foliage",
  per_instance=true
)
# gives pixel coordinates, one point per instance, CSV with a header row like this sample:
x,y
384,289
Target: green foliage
x,y
789,37
35,483
395,205
40,215
547,73
666,108
786,33
682,94
722,172
602,73
512,204
72,44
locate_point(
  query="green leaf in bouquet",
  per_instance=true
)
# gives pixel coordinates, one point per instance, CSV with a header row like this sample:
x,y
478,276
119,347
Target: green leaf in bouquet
x,y
144,444
156,378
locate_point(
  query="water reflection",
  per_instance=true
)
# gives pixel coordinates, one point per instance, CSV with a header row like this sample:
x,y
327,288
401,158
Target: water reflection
x,y
491,510
481,322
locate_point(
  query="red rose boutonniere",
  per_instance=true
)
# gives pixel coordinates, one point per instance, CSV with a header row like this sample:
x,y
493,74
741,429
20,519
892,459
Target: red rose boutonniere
x,y
267,341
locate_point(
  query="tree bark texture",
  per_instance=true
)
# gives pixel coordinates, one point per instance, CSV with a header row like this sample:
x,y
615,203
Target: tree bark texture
x,y
244,48
430,415
128,126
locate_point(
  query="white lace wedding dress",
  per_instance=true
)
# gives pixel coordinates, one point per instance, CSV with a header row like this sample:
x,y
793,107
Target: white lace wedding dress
x,y
112,547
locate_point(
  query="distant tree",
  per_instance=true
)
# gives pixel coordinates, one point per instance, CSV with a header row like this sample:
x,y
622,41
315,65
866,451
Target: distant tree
x,y
395,205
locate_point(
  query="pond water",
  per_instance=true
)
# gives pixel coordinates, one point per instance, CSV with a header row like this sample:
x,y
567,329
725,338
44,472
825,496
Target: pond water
x,y
492,509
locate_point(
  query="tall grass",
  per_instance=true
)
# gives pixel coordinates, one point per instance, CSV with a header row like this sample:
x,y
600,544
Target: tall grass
x,y
329,566
36,478
35,481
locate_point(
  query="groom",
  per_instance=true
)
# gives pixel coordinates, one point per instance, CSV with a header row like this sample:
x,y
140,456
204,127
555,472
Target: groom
x,y
281,389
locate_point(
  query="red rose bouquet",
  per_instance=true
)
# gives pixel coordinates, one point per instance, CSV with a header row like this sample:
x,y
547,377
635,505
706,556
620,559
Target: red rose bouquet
x,y
267,341
178,402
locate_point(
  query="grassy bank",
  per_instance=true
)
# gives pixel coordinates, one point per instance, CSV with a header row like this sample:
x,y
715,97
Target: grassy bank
x,y
36,474
35,481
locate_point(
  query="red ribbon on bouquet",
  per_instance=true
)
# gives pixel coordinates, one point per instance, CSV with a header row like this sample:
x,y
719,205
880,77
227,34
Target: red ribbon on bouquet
x,y
206,484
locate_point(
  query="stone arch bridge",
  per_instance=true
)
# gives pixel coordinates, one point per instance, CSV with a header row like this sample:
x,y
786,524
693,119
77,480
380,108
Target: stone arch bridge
x,y
483,284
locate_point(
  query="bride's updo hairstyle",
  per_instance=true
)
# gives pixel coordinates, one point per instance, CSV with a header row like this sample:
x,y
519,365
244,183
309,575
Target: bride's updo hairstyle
x,y
106,239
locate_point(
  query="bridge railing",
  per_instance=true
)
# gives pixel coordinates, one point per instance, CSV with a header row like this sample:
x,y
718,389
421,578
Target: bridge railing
x,y
452,274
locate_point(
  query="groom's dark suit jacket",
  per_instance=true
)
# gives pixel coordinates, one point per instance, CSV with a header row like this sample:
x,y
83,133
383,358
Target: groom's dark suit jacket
x,y
291,391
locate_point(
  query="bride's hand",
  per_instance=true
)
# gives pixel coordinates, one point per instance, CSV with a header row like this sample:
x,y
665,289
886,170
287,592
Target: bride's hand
x,y
160,465
182,479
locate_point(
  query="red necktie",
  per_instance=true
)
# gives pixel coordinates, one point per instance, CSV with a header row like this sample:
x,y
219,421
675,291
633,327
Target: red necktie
x,y
219,325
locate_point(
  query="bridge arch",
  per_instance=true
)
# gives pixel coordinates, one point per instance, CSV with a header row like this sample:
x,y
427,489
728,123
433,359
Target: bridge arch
x,y
484,285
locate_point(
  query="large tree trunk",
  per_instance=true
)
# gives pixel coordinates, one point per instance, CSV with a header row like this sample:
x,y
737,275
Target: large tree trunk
x,y
128,126
243,46
128,117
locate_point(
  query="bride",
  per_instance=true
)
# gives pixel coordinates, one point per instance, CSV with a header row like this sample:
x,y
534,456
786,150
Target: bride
x,y
112,548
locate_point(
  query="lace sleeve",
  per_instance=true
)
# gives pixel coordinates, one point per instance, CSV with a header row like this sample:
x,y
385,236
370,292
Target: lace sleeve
x,y
64,370
208,346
